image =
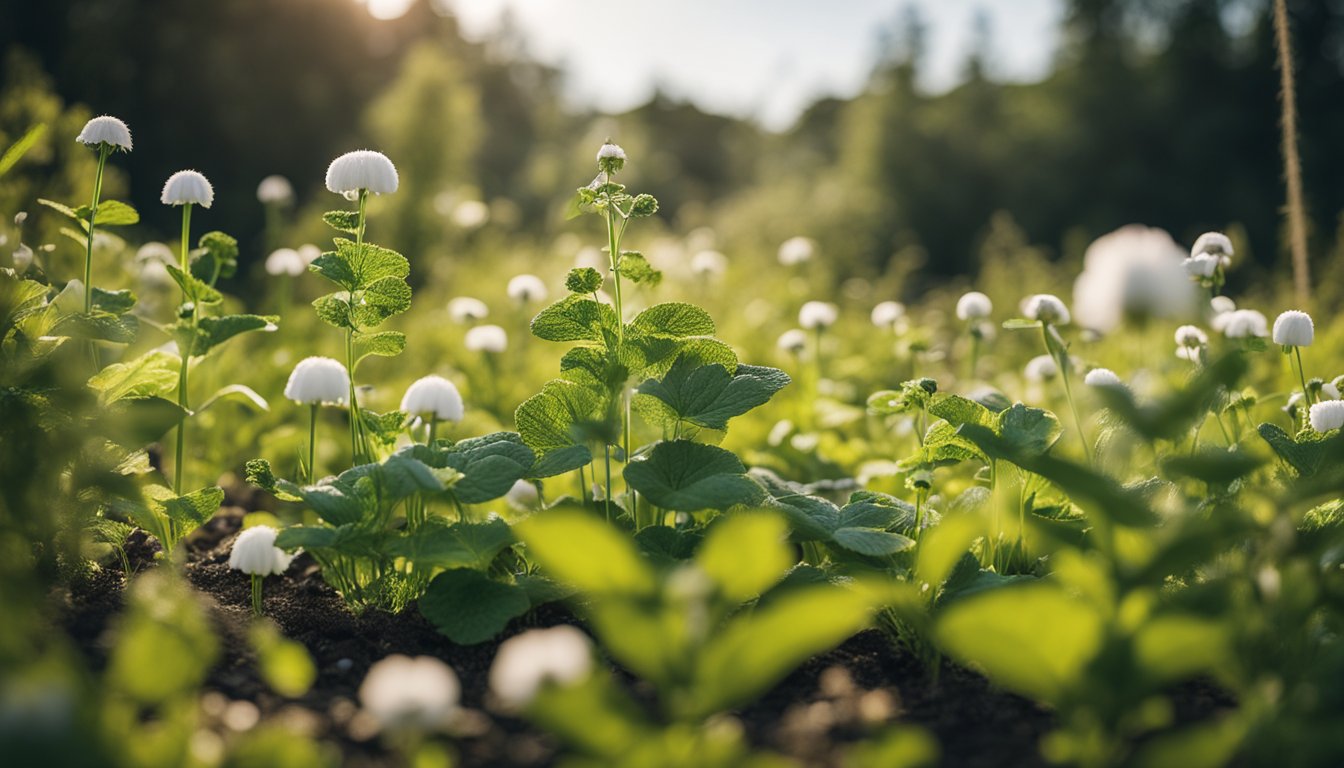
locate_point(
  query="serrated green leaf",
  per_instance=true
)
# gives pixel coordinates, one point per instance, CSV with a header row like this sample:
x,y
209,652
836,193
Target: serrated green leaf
x,y
371,263
61,208
957,410
468,607
114,302
216,257
460,545
335,267
193,509
550,420
342,221
575,318
675,319
583,280
708,396
382,344
490,465
873,542
193,288
1028,430
381,299
1305,456
559,461
114,213
637,269
153,374
333,501
217,330
812,518
334,309
684,476
100,326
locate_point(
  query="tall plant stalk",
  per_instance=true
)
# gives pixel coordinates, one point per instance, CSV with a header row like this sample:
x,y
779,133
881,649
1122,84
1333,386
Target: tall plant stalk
x,y
1292,162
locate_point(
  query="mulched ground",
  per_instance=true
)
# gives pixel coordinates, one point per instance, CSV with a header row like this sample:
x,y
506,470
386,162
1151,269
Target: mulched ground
x,y
832,700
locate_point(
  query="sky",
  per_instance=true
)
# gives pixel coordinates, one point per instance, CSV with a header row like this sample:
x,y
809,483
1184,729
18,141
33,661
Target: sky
x,y
766,59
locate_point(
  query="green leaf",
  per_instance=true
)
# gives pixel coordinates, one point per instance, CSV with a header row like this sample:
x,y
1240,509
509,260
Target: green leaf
x,y
1028,430
383,344
1306,455
575,318
685,476
873,542
583,280
217,257
550,420
342,221
309,537
490,465
381,299
1175,647
193,288
19,148
135,422
674,319
1216,466
65,210
236,392
114,213
957,410
469,607
193,509
812,518
283,663
708,396
334,309
1031,638
100,326
460,545
637,269
217,330
114,302
335,267
560,461
153,374
745,554
578,549
371,263
334,502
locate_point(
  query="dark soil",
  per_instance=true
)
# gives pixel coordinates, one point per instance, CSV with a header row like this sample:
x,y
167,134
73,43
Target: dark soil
x,y
834,699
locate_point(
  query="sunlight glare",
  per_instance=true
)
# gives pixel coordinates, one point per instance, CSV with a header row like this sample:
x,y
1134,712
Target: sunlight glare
x,y
386,10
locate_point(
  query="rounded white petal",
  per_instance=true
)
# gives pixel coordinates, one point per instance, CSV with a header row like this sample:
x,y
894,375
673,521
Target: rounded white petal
x,y
1327,415
405,692
1041,368
796,250
275,189
1212,244
560,655
1222,304
526,289
1330,391
487,338
1294,329
610,150
317,381
974,305
188,187
886,314
1047,308
1102,377
523,496
1202,265
1133,271
105,129
1190,336
362,169
433,397
465,309
254,552
792,341
285,261
818,314
1242,323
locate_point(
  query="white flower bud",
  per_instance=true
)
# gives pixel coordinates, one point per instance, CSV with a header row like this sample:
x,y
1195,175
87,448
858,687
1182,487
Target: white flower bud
x,y
105,130
1103,377
886,314
1190,336
487,338
275,190
1046,308
792,341
974,305
796,250
818,314
285,261
526,289
318,381
610,158
1221,305
1243,323
416,693
187,188
433,397
1294,329
561,655
1201,266
1327,415
1041,368
254,552
362,169
465,309
1214,244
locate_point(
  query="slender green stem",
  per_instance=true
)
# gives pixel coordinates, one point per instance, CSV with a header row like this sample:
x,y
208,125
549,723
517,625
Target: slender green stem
x,y
1302,377
433,427
606,492
185,355
356,453
256,594
103,151
312,442
1062,362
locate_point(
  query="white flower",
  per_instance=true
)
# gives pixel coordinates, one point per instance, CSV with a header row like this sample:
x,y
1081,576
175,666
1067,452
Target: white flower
x,y
465,309
1243,323
433,397
187,188
796,250
886,314
1046,308
1294,329
285,261
23,257
487,338
1222,304
1327,415
275,189
362,169
105,130
792,341
609,151
155,251
1134,270
1214,244
708,263
1329,390
1202,265
470,214
254,552
309,253
817,314
974,305
317,381
1191,336
1102,377
405,692
526,289
561,655
1041,368
523,496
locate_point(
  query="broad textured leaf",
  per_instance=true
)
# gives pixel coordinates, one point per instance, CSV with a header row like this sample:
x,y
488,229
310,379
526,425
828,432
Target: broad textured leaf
x,y
193,287
579,549
460,545
307,537
153,374
873,542
674,319
114,213
381,299
870,509
335,267
115,302
637,269
745,554
372,263
812,518
1031,638
684,476
1029,430
217,330
469,607
957,410
194,508
333,503
575,318
383,344
490,465
334,309
342,221
1305,456
100,326
560,461
708,396
549,420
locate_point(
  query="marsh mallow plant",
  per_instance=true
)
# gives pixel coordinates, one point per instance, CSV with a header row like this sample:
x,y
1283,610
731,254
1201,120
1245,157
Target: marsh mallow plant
x,y
254,553
104,135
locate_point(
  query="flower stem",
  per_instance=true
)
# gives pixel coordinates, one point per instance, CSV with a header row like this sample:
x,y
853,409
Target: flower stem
x,y
356,454
1302,376
312,442
256,594
103,151
185,355
433,427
